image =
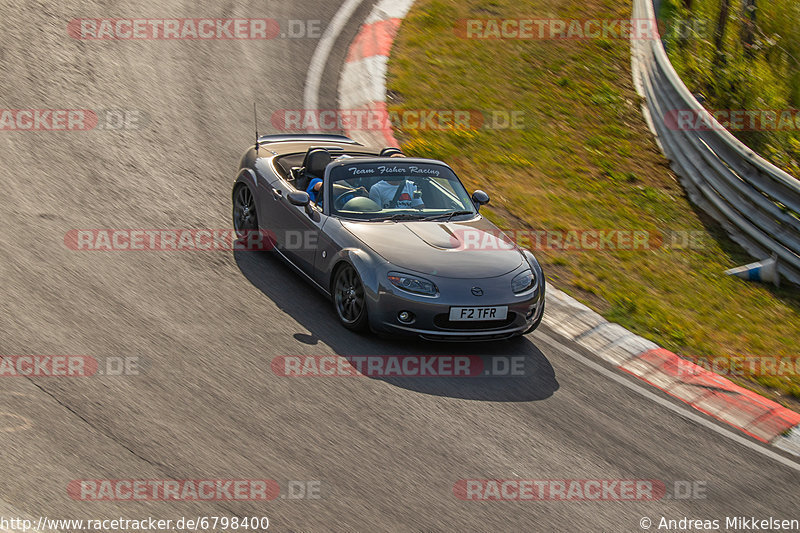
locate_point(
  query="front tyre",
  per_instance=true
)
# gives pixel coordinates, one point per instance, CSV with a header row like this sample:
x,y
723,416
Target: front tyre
x,y
245,217
349,299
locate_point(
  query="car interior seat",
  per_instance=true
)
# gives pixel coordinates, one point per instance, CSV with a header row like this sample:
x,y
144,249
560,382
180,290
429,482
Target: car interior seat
x,y
313,167
391,151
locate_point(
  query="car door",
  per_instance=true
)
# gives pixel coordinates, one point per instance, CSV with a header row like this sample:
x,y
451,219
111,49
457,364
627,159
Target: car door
x,y
304,238
272,206
294,231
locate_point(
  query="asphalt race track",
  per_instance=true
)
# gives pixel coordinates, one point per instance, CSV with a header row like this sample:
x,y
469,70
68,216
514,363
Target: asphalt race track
x,y
205,326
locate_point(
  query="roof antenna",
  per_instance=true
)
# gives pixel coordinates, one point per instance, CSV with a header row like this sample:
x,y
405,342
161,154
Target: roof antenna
x,y
255,120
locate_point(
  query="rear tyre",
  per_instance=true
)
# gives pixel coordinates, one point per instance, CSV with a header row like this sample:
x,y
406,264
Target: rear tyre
x,y
349,299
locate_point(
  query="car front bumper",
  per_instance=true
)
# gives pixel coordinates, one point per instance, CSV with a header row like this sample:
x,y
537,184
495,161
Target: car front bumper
x,y
431,315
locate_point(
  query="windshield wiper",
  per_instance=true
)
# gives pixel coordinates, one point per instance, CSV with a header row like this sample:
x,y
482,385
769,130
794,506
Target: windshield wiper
x,y
448,216
403,216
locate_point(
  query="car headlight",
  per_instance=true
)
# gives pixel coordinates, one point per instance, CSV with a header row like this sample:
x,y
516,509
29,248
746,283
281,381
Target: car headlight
x,y
523,281
413,284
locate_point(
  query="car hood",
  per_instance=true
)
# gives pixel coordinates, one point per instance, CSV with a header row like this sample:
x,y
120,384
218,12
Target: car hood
x,y
472,249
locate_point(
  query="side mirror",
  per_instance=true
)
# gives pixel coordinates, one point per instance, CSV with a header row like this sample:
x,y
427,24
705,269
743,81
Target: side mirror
x,y
480,198
302,199
299,198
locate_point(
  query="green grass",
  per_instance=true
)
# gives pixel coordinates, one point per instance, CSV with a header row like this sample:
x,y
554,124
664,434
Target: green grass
x,y
767,76
585,160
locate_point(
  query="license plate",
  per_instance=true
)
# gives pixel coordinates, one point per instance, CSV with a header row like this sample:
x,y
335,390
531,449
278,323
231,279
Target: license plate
x,y
464,314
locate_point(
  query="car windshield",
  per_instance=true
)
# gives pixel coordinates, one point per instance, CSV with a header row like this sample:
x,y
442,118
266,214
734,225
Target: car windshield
x,y
397,190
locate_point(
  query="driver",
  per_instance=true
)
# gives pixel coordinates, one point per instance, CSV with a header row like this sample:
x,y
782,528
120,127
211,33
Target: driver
x,y
313,189
315,185
385,193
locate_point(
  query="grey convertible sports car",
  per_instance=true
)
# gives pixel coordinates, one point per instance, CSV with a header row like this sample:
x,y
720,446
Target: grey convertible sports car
x,y
396,242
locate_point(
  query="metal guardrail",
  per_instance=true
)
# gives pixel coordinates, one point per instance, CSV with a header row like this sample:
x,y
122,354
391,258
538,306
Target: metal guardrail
x,y
757,203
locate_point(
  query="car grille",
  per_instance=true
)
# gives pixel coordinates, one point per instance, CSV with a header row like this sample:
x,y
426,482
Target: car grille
x,y
443,321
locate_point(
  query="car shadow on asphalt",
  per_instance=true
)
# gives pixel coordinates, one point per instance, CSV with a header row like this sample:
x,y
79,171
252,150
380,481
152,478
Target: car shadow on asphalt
x,y
501,371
